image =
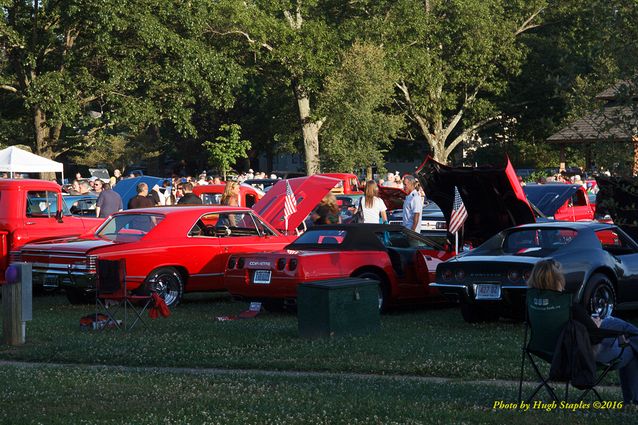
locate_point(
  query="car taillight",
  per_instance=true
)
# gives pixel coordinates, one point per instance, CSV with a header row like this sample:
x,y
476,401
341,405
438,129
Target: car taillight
x,y
281,263
15,256
91,264
240,263
513,275
446,274
292,266
231,262
459,275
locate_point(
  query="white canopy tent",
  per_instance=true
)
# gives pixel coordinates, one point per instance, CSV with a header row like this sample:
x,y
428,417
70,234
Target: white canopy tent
x,y
15,160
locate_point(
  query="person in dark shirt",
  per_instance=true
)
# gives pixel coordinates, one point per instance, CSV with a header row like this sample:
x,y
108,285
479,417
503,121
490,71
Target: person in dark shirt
x,y
108,202
189,197
546,275
141,200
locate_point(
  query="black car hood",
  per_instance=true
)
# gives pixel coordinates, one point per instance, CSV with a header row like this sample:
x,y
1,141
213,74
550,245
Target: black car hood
x,y
548,198
493,197
618,197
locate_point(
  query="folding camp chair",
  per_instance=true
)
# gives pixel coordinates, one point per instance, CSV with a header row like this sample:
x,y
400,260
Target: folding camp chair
x,y
112,297
548,312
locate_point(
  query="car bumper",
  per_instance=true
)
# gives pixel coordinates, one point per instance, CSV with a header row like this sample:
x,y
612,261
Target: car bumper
x,y
51,279
509,294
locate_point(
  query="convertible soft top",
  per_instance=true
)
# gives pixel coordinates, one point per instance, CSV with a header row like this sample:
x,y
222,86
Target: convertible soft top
x,y
358,237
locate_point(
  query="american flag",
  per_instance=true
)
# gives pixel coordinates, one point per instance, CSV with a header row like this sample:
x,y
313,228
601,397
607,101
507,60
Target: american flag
x,y
459,214
290,204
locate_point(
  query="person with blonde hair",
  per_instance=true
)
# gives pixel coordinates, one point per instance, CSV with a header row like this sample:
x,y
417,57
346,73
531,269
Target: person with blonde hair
x,y
230,196
372,207
327,212
547,275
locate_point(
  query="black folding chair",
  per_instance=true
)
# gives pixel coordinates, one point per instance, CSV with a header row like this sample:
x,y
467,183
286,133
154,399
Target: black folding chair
x,y
112,296
548,312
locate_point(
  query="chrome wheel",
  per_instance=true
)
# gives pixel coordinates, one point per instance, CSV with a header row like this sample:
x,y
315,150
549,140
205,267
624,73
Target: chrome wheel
x,y
603,300
168,284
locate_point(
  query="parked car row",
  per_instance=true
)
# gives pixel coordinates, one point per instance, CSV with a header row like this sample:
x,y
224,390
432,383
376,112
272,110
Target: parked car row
x,y
256,253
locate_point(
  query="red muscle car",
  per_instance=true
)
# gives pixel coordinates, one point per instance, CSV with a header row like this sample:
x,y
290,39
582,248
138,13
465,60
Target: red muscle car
x,y
172,250
404,263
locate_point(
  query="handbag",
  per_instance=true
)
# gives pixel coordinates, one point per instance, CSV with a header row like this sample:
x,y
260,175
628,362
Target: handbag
x,y
358,216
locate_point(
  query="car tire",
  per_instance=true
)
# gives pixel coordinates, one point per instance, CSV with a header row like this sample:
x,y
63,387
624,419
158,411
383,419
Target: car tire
x,y
600,296
383,290
474,313
78,296
168,283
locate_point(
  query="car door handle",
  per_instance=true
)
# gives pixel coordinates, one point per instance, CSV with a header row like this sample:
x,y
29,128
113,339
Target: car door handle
x,y
31,222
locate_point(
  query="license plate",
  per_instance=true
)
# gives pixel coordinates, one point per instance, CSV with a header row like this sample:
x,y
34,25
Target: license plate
x,y
487,292
261,277
50,281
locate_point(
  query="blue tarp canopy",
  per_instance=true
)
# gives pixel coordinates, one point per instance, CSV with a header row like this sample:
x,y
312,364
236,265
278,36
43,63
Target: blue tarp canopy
x,y
127,188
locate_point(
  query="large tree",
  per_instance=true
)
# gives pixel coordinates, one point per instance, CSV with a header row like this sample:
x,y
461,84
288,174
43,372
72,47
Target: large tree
x,y
300,40
357,98
79,69
454,59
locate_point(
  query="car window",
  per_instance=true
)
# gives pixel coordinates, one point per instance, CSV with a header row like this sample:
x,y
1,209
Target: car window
x,y
615,242
264,230
42,204
534,242
211,198
129,227
322,237
578,199
225,224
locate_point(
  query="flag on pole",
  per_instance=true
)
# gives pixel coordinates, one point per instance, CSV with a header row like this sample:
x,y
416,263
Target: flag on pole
x,y
290,203
459,214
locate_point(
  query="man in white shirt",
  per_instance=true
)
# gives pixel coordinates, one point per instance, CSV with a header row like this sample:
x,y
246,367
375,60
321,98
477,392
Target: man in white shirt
x,y
413,205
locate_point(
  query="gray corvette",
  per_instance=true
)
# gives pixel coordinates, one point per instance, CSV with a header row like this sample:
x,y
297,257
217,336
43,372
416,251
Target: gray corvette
x,y
600,263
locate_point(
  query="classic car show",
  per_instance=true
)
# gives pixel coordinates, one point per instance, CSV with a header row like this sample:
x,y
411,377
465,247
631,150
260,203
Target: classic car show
x,y
319,212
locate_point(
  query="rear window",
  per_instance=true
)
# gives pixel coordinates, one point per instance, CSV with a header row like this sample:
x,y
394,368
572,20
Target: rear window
x,y
322,237
536,242
129,227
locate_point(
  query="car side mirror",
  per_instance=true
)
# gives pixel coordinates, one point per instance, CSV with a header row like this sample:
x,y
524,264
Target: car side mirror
x,y
58,216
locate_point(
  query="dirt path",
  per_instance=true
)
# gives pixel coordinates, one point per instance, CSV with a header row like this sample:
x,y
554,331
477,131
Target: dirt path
x,y
278,373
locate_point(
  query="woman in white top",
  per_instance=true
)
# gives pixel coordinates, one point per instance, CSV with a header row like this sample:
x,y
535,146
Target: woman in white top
x,y
372,207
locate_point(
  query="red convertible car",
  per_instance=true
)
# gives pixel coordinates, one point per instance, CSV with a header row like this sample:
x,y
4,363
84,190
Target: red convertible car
x,y
404,262
172,250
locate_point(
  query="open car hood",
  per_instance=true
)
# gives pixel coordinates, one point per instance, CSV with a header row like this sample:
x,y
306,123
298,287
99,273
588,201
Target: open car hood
x,y
309,191
548,198
493,197
393,197
618,197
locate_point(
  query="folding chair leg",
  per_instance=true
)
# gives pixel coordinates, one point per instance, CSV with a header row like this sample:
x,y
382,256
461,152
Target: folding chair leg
x,y
543,383
109,313
138,313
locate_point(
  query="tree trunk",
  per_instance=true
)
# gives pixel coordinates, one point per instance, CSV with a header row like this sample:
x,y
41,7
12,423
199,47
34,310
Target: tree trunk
x,y
310,131
369,172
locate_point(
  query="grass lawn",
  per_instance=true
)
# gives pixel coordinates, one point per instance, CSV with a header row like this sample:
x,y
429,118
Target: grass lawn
x,y
418,342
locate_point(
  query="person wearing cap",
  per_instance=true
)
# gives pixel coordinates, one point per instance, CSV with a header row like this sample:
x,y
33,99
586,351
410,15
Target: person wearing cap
x,y
413,204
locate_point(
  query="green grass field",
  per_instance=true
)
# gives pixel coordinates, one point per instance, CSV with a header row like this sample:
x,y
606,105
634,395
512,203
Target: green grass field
x,y
423,342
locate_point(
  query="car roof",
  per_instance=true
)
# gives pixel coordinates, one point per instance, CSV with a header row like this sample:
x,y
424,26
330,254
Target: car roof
x,y
576,225
359,237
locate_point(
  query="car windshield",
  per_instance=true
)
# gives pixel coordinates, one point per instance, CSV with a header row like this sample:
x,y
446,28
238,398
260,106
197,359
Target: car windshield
x,y
128,227
321,237
535,242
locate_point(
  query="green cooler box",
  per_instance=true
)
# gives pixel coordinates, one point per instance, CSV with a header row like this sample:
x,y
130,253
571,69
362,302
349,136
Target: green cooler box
x,y
347,306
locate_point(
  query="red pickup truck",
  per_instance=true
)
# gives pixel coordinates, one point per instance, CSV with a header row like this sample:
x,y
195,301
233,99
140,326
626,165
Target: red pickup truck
x,y
32,210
